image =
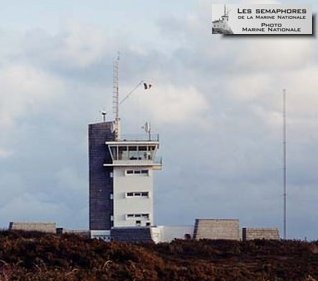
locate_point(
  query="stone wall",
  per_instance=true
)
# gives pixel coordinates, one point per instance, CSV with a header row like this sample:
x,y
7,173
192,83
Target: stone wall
x,y
33,226
100,180
228,229
259,233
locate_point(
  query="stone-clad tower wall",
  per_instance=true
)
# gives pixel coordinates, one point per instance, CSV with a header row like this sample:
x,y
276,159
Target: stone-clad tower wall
x,y
100,177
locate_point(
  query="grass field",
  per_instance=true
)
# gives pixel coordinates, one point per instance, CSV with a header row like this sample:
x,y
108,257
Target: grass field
x,y
35,256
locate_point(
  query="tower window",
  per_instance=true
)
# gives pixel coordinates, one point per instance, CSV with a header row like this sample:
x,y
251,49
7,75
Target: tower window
x,y
144,194
137,172
139,216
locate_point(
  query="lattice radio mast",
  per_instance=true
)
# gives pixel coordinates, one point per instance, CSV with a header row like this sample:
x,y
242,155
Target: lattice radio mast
x,y
116,97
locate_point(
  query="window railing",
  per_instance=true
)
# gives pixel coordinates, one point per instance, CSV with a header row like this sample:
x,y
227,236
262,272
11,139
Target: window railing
x,y
156,160
139,137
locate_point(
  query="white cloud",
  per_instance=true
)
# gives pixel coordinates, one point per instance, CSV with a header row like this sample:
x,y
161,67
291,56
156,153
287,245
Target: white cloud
x,y
301,86
168,104
24,89
4,153
247,87
80,45
267,54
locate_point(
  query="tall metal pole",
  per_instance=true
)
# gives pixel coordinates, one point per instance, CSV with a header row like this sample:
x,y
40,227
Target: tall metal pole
x,y
284,160
116,96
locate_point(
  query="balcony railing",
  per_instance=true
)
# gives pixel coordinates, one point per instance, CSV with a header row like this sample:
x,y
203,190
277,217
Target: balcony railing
x,y
157,161
139,137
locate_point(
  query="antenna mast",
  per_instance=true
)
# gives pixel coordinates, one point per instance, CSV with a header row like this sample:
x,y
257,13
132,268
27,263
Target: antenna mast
x,y
116,97
284,160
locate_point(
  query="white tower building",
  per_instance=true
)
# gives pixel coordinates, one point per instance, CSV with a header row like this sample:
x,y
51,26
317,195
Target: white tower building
x,y
133,163
121,173
121,179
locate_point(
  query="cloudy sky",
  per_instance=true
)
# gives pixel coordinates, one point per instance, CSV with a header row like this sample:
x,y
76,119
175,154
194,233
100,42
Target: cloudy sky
x,y
216,102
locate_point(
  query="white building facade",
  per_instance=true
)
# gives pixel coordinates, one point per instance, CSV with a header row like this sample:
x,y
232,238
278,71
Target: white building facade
x,y
133,164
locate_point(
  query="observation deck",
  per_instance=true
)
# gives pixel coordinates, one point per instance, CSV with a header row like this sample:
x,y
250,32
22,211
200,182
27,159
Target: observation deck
x,y
134,151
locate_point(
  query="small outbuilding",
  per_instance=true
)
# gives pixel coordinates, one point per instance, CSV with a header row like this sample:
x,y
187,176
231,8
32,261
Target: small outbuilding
x,y
47,227
228,229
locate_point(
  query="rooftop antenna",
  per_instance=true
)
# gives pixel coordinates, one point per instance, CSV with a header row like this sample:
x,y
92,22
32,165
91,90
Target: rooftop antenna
x,y
284,161
116,101
147,128
116,96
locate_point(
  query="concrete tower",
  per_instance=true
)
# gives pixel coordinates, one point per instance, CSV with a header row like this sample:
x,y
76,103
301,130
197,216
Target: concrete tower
x,y
120,179
120,173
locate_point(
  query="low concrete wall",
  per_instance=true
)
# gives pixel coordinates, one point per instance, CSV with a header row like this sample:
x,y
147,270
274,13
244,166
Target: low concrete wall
x,y
259,233
169,233
228,229
176,232
79,232
47,227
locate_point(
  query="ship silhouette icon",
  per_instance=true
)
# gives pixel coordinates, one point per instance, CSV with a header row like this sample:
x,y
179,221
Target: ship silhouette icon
x,y
221,26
